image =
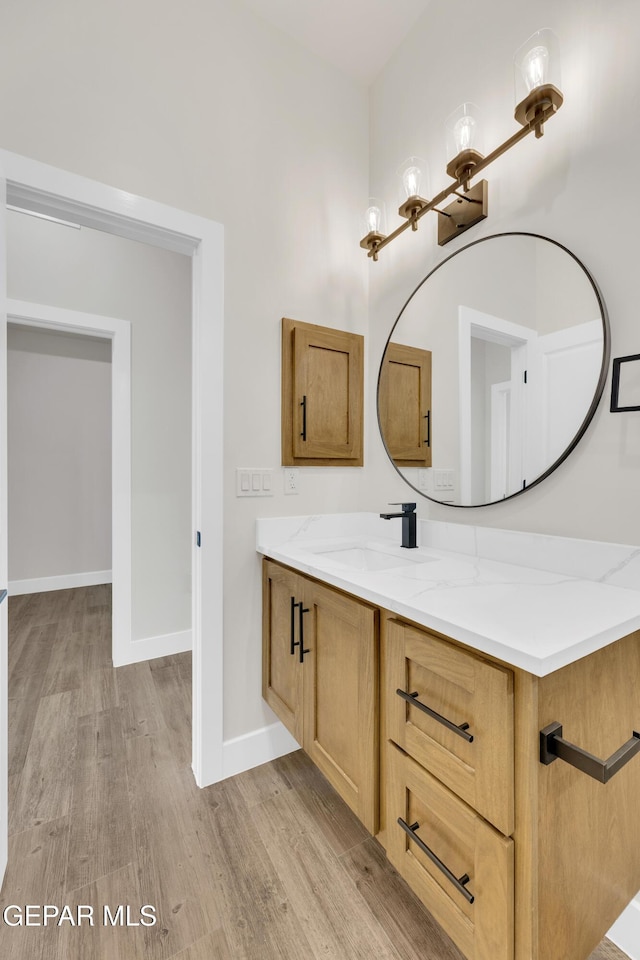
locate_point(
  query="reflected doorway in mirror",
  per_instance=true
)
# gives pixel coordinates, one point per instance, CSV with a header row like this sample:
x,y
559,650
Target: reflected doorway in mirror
x,y
518,337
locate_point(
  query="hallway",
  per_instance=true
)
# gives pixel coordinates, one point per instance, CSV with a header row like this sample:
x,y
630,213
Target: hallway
x,y
104,811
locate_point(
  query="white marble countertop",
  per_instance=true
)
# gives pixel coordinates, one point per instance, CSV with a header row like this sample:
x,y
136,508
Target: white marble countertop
x,y
533,601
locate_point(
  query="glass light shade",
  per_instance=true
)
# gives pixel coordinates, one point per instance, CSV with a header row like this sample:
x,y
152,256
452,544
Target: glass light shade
x,y
374,218
413,179
537,63
464,130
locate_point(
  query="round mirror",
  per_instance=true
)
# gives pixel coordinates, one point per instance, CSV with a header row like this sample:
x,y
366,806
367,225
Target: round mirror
x,y
493,370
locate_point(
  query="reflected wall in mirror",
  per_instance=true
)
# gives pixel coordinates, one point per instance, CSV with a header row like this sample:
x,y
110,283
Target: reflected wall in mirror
x,y
493,370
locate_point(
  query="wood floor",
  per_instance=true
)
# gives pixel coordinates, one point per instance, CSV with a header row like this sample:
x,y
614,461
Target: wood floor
x,y
104,811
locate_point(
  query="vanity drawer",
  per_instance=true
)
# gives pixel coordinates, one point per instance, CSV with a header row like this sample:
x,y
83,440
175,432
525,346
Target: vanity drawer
x,y
480,921
465,736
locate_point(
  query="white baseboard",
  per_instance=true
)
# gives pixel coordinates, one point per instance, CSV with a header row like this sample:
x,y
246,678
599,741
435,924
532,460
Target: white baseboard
x,y
152,647
259,746
67,581
625,932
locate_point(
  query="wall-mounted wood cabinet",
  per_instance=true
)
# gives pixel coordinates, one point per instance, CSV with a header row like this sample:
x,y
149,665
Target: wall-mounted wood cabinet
x,y
404,405
322,396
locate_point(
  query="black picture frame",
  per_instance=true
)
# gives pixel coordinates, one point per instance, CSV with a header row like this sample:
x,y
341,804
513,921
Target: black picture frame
x,y
615,384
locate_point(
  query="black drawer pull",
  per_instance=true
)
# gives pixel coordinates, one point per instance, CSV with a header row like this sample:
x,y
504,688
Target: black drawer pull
x,y
459,884
553,746
294,642
460,729
302,610
427,417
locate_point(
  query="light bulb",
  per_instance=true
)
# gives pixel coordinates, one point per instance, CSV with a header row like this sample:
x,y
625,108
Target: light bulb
x,y
464,133
411,181
534,67
372,219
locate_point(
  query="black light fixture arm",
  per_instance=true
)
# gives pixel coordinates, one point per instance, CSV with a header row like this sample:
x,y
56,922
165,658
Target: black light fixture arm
x,y
553,746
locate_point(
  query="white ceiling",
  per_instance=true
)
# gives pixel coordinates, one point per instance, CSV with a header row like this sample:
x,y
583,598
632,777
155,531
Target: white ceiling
x,y
357,36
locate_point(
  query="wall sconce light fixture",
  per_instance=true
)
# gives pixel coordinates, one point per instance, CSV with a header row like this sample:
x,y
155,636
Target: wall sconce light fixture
x,y
538,98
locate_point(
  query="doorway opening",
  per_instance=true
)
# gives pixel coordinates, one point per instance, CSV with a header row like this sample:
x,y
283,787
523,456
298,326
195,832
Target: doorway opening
x,y
50,191
115,335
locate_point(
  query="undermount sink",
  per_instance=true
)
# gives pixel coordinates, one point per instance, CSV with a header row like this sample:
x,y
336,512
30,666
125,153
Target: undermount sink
x,y
368,558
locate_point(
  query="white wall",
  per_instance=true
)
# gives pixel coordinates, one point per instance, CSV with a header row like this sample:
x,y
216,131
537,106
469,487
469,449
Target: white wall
x,y
203,106
540,186
59,437
99,273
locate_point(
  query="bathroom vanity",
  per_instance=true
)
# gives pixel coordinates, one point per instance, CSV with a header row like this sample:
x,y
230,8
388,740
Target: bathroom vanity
x,y
434,688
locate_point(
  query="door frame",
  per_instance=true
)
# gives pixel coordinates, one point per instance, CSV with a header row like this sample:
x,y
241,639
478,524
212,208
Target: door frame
x,y
45,317
484,326
45,189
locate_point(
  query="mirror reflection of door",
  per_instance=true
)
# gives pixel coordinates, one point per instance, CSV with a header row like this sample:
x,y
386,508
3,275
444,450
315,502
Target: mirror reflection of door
x,y
404,403
494,405
521,339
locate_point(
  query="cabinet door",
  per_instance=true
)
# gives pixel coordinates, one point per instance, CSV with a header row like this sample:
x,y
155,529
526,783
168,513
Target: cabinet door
x,y
341,697
404,403
281,666
322,395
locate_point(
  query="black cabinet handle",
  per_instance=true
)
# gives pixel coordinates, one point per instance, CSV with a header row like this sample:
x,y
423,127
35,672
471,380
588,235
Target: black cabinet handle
x,y
303,404
302,610
294,642
459,883
460,729
427,417
552,746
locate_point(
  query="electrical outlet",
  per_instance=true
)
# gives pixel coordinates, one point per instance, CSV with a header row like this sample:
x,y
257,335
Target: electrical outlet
x,y
291,480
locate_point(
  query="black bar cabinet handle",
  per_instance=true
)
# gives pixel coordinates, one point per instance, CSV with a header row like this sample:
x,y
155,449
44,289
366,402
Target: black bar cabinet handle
x,y
459,883
294,642
427,417
460,729
303,404
302,610
552,746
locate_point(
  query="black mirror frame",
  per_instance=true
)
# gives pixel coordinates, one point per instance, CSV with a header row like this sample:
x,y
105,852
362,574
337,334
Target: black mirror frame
x,y
606,352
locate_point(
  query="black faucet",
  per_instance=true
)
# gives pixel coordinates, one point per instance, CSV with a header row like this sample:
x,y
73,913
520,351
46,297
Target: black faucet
x,y
408,522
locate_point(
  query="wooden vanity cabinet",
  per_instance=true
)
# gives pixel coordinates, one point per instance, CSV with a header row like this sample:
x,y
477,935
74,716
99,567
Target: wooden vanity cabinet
x,y
320,676
450,785
551,855
516,859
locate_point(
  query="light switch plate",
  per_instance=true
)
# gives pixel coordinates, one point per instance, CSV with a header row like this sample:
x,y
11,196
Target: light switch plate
x,y
254,482
443,479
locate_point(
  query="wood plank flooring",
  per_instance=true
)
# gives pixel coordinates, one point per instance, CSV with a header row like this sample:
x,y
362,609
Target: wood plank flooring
x,y
268,865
